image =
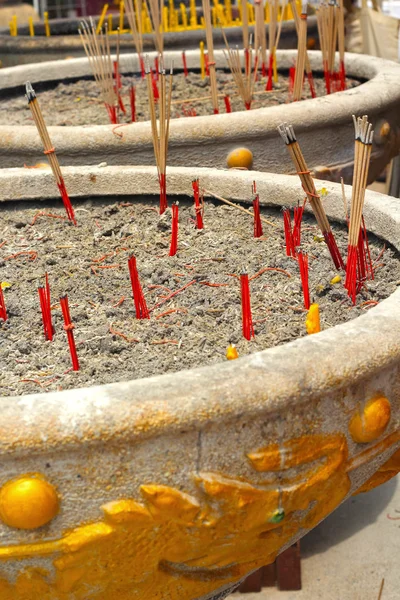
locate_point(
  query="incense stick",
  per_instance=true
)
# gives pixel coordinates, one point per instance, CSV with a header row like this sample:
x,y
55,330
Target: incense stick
x,y
49,150
134,14
288,136
307,59
210,54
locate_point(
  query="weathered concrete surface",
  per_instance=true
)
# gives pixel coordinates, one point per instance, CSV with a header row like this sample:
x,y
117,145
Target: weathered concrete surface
x,y
199,425
205,141
23,49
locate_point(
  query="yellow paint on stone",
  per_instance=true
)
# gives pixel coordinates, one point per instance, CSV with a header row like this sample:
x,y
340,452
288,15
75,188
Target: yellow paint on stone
x,y
28,502
386,472
179,546
370,422
231,352
313,324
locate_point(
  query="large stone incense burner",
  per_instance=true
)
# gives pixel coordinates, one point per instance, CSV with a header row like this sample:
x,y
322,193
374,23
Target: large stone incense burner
x,y
177,486
323,122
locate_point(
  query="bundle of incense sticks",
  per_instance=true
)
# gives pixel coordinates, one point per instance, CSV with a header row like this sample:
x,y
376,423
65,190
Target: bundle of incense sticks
x,y
3,309
307,60
174,232
244,81
157,21
260,38
275,29
45,306
303,266
69,328
160,134
356,256
97,49
288,136
247,320
141,309
198,206
133,10
301,54
328,31
210,55
49,150
258,230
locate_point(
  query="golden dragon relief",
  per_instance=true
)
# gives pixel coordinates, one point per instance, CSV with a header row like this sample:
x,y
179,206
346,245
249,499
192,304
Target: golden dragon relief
x,y
173,546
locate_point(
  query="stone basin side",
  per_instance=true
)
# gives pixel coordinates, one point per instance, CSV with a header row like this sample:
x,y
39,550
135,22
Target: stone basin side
x,y
323,123
176,486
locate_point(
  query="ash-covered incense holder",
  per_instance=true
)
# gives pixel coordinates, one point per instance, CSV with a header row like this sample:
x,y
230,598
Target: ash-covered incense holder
x,y
176,486
317,121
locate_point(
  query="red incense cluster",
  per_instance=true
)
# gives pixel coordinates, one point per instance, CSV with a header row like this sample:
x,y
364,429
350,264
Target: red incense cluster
x,y
293,236
227,101
258,230
66,201
138,296
303,266
3,310
198,206
185,69
69,328
269,85
174,233
45,306
247,320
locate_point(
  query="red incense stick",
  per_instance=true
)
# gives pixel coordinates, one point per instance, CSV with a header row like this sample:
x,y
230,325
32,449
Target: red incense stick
x,y
197,204
287,225
3,310
185,69
112,113
247,321
69,328
156,93
174,233
303,266
269,86
132,98
311,84
258,230
45,306
298,217
138,296
142,69
292,75
227,101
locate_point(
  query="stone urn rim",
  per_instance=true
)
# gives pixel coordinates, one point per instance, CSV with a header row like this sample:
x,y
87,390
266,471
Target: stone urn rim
x,y
382,81
282,376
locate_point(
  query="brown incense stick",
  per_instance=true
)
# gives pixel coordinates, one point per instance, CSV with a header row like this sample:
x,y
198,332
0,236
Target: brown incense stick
x,y
210,53
245,24
134,14
260,38
288,136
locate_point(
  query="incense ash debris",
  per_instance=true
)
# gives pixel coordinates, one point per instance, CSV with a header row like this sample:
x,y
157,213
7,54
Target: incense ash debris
x,y
79,103
193,298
